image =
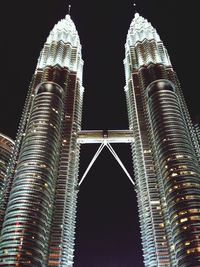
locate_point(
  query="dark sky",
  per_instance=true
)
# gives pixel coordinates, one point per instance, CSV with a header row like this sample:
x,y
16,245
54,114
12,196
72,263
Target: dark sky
x,y
107,224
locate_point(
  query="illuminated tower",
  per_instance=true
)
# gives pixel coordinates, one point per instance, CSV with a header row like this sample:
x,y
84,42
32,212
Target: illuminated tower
x,y
40,193
165,159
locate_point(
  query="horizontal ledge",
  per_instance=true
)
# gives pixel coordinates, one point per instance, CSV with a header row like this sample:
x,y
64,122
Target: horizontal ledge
x,y
106,136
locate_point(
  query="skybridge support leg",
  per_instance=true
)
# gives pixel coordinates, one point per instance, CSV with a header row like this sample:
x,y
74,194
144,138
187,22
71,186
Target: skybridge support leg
x,y
91,163
105,138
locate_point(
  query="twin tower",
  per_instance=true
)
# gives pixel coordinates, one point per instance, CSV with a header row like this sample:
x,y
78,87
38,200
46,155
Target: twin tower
x,y
39,193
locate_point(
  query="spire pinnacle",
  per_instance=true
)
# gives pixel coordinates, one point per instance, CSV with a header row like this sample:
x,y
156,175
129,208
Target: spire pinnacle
x,y
135,8
69,9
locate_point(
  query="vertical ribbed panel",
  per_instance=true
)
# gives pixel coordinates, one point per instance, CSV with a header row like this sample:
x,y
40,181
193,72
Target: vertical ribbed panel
x,y
153,234
140,179
71,201
63,227
179,168
26,229
173,78
15,155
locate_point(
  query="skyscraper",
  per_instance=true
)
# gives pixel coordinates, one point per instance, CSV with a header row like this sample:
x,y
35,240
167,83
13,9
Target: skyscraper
x,y
40,194
165,154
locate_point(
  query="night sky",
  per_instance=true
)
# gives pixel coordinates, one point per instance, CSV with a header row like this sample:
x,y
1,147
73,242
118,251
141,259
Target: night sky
x,y
107,232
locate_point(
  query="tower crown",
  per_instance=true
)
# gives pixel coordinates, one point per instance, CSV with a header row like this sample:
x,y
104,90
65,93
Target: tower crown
x,y
64,30
63,47
141,29
143,46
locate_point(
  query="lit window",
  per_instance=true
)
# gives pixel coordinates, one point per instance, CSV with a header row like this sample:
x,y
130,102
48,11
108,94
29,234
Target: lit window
x,y
187,243
183,220
192,250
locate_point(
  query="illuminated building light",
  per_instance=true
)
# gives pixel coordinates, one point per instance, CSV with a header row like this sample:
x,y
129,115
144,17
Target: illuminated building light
x,y
183,220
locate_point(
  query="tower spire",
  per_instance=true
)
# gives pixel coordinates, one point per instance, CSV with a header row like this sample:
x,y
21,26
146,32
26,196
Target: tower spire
x,y
69,9
135,7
